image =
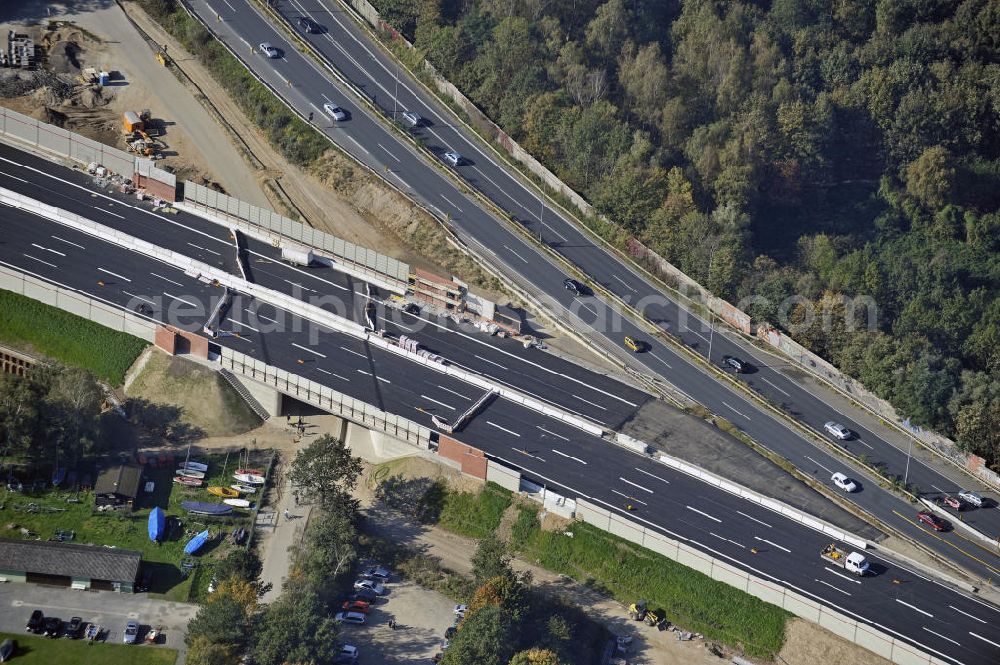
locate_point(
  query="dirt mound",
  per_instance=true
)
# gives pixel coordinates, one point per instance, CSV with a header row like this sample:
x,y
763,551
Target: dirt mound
x,y
63,57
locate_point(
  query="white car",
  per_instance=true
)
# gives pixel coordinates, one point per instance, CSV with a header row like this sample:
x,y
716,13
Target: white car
x,y
269,50
131,632
334,111
452,158
348,655
349,617
371,585
460,610
972,498
412,119
376,573
837,430
843,482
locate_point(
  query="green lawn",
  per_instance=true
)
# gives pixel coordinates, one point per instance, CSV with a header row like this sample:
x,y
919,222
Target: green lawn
x,y
128,530
474,515
46,651
38,328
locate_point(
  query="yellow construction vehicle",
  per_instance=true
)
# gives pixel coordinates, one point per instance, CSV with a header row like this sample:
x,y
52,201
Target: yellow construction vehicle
x,y
639,611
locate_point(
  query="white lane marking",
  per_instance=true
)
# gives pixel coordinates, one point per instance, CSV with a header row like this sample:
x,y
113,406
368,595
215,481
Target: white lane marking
x,y
527,454
864,444
317,109
165,279
258,315
241,324
67,242
306,288
765,540
13,176
490,422
354,141
47,249
751,517
515,253
344,378
558,436
138,297
456,394
391,155
652,475
383,380
491,362
361,371
452,204
966,614
914,607
711,517
305,348
108,212
841,575
602,408
742,547
577,459
984,639
361,355
637,485
204,249
173,297
775,387
661,360
230,6
818,464
400,178
447,406
114,274
937,488
630,497
833,587
584,305
736,410
624,283
941,636
40,260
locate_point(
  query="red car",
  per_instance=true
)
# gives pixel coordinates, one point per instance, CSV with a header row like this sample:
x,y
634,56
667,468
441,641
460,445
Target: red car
x,y
953,502
931,520
356,606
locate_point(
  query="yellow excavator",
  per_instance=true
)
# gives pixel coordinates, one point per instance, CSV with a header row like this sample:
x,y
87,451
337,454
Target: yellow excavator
x,y
639,611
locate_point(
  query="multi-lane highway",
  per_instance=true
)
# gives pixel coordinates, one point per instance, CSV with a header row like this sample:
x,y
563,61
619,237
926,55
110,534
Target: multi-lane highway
x,y
307,86
937,619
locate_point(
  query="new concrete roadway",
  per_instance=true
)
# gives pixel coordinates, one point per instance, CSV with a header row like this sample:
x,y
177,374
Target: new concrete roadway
x,y
953,625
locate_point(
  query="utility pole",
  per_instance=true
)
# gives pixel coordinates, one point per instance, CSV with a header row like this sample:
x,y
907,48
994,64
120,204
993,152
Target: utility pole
x,y
395,96
906,474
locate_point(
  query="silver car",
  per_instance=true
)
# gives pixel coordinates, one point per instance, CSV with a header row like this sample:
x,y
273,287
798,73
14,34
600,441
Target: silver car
x,y
837,430
971,498
268,50
452,158
334,111
843,482
412,119
131,632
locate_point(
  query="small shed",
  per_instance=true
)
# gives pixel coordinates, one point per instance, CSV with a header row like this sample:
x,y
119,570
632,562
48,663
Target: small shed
x,y
65,564
118,484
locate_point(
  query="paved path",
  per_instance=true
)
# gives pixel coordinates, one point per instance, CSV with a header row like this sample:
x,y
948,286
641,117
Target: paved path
x,y
276,533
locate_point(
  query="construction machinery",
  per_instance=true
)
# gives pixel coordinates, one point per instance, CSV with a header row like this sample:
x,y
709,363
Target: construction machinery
x,y
639,611
135,127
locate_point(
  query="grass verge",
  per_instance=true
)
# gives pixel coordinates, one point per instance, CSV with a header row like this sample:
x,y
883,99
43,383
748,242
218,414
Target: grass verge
x,y
72,340
474,515
46,651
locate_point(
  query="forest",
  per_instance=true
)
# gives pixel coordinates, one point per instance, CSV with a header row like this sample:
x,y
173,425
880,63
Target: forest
x,y
785,151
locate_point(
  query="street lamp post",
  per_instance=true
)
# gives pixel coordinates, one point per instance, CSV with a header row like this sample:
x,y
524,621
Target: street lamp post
x,y
906,474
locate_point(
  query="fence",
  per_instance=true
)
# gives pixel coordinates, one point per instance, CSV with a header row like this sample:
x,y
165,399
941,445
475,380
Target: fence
x,y
80,149
325,398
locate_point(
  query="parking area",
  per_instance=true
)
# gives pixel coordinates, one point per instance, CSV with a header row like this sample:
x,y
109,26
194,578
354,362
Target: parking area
x,y
106,608
421,618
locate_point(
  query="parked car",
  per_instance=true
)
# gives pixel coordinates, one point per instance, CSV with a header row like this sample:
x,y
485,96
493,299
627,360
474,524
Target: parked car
x,y
412,119
843,482
972,498
460,610
572,286
738,365
35,622
73,628
349,617
953,502
371,585
837,430
452,157
334,111
52,627
309,25
932,520
348,654
268,50
131,632
362,606
376,573
366,595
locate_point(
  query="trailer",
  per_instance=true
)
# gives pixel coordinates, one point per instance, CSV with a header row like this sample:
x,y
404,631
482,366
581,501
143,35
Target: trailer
x,y
853,563
297,254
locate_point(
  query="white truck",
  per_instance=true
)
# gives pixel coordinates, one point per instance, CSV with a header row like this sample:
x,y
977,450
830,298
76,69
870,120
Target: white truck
x,y
296,254
853,563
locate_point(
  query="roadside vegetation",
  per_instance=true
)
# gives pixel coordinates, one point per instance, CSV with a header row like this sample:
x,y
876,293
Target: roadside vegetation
x,y
41,329
819,150
33,650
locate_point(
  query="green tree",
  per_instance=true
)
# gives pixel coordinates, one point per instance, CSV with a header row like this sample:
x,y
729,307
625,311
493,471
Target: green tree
x,y
491,559
326,470
536,657
330,548
223,621
485,639
931,176
296,628
241,563
203,651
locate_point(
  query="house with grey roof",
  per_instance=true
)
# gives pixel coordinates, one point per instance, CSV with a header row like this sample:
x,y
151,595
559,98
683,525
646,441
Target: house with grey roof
x,y
69,565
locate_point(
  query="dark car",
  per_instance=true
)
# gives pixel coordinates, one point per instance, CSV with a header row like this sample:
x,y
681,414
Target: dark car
x,y
74,627
35,622
366,595
309,25
932,520
411,308
52,627
735,363
572,286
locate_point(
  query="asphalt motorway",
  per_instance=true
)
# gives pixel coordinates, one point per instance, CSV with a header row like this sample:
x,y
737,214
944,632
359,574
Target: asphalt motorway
x,y
955,626
303,84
